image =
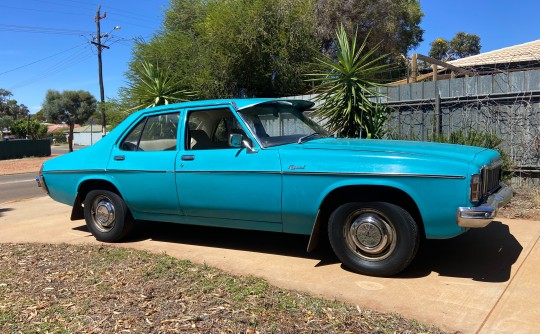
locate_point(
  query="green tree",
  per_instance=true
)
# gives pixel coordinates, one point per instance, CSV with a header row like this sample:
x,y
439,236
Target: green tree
x,y
6,122
465,45
69,107
440,49
40,116
345,86
262,48
4,97
233,48
29,128
460,46
115,113
155,86
393,25
11,107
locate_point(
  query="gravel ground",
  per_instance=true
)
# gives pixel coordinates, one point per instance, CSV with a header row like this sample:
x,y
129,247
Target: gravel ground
x,y
84,289
89,289
25,165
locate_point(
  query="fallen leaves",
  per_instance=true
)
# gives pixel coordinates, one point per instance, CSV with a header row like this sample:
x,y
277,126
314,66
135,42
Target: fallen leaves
x,y
86,289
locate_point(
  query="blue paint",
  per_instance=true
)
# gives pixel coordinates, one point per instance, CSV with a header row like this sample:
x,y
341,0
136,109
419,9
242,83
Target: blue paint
x,y
275,188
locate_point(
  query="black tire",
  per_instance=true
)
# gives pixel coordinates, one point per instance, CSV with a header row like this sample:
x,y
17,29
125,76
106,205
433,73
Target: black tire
x,y
107,216
377,239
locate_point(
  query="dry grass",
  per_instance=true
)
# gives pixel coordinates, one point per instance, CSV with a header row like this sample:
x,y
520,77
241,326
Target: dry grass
x,y
524,205
25,165
88,289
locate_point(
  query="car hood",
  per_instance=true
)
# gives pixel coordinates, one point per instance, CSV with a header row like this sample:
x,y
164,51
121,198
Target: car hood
x,y
330,155
395,148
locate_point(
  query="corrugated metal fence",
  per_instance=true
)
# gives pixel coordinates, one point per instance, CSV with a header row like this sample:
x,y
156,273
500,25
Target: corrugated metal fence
x,y
506,104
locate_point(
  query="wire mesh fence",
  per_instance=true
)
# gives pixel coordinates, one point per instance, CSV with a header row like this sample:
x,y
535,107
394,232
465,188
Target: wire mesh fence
x,y
504,104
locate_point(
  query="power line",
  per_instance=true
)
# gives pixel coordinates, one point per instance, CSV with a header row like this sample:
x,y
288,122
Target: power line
x,y
39,60
42,10
41,30
67,62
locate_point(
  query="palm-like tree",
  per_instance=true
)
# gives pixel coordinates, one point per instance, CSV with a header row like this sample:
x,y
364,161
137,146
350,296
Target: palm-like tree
x,y
155,86
345,84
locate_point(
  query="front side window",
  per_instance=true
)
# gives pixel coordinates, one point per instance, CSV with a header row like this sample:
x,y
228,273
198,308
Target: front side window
x,y
210,129
153,133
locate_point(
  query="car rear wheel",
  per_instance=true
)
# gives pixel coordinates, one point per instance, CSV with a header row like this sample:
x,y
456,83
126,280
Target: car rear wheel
x,y
378,238
107,215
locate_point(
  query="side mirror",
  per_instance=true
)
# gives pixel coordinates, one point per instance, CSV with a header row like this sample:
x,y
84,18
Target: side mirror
x,y
237,140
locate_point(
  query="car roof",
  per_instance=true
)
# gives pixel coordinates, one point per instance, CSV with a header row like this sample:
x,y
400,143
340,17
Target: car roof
x,y
239,104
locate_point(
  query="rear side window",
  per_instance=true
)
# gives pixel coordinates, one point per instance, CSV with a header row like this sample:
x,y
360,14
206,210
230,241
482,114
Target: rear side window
x,y
153,133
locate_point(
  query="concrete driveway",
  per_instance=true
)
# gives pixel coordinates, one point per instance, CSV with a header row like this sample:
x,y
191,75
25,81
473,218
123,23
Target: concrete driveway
x,y
485,281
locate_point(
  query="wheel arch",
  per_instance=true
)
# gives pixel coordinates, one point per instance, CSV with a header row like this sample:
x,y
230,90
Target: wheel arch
x,y
362,193
84,188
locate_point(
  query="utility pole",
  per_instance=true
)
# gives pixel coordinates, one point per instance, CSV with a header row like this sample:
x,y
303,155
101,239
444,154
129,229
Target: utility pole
x,y
100,46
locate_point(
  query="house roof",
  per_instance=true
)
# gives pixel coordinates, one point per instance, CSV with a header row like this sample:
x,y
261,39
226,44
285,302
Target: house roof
x,y
525,52
58,127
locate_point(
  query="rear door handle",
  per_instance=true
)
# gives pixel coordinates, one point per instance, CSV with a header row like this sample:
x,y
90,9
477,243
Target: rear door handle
x,y
188,157
119,157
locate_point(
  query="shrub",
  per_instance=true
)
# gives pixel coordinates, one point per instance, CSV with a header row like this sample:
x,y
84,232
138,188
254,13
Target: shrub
x,y
477,138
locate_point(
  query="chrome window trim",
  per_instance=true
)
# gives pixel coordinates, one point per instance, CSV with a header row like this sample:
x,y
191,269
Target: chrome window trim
x,y
246,126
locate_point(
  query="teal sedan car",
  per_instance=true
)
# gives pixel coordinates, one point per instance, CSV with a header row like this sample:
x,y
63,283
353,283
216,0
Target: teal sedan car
x,y
261,164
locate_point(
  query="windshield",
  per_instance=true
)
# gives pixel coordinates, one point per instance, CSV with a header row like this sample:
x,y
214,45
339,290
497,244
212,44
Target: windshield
x,y
280,123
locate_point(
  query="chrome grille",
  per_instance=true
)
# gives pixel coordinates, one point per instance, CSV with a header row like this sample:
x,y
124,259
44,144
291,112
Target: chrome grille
x,y
491,177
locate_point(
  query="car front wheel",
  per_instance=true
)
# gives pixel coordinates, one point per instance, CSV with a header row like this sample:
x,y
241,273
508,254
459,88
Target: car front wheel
x,y
377,239
107,215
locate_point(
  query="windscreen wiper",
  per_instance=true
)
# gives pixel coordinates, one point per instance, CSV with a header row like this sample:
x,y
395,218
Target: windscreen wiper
x,y
304,139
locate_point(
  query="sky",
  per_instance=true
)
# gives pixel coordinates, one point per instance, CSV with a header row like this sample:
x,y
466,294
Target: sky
x,y
45,43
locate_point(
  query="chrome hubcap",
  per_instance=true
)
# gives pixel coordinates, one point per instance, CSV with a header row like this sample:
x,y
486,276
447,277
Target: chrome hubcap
x,y
103,213
371,236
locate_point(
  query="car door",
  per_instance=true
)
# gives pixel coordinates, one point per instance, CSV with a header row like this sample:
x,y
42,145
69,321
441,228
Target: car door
x,y
142,163
227,186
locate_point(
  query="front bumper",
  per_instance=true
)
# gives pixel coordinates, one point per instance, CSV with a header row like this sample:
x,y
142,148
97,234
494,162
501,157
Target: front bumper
x,y
482,215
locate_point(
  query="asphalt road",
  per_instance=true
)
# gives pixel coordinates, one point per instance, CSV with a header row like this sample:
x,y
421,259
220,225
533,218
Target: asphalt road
x,y
19,186
22,186
63,149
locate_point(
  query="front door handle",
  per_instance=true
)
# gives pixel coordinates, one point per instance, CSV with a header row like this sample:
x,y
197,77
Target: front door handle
x,y
188,157
119,157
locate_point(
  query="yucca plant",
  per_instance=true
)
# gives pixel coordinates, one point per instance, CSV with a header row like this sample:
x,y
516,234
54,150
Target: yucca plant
x,y
155,86
374,121
345,85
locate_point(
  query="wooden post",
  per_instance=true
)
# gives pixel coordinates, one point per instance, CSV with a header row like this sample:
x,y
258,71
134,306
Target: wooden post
x,y
414,67
437,128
